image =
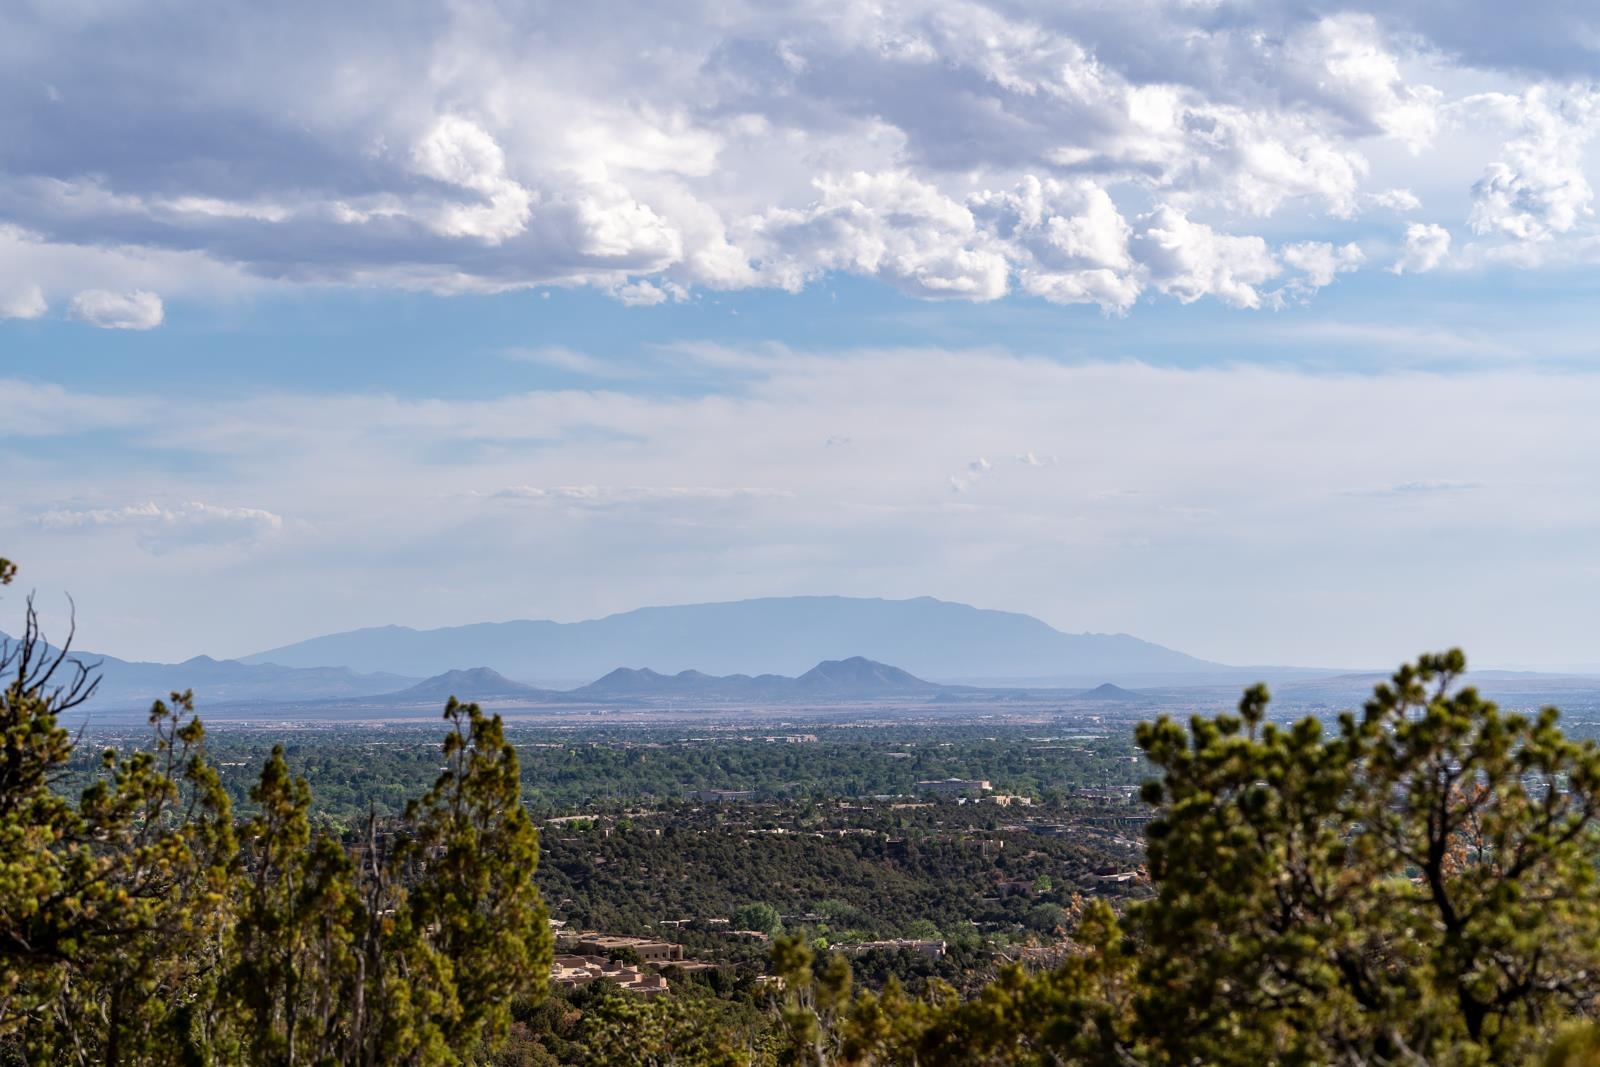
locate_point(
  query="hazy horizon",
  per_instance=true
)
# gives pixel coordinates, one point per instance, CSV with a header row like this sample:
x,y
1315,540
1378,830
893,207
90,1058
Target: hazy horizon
x,y
264,655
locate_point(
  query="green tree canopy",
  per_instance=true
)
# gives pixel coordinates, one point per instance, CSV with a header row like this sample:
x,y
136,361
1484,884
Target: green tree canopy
x,y
139,925
757,916
1417,881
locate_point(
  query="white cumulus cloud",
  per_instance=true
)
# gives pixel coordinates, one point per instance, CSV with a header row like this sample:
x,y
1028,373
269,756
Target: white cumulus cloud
x,y
1538,187
892,226
952,149
1319,263
459,152
1347,62
1190,260
1067,240
1426,245
138,310
1395,200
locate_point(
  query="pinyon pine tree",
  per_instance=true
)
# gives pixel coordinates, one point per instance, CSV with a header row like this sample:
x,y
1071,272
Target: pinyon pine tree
x,y
139,924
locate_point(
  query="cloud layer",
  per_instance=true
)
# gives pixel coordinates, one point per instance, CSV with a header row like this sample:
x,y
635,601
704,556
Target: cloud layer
x,y
1243,513
953,149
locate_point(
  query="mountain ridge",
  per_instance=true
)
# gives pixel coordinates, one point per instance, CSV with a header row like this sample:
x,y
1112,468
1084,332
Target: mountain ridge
x,y
1108,693
929,638
473,683
124,683
849,679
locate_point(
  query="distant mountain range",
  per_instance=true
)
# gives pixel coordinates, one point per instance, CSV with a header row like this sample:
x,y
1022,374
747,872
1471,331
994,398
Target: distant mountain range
x,y
267,690
853,678
781,635
856,678
744,650
133,685
843,681
775,650
130,682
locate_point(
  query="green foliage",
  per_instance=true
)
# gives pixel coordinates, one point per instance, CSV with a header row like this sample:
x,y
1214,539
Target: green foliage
x,y
1576,1046
758,916
414,954
867,873
293,964
137,926
470,857
815,993
1077,1013
624,1030
106,903
1418,882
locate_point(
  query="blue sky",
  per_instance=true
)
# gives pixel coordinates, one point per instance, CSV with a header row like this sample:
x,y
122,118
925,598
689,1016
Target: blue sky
x,y
1261,330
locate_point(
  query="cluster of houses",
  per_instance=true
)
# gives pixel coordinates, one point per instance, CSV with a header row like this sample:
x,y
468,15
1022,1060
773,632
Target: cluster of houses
x,y
572,971
632,963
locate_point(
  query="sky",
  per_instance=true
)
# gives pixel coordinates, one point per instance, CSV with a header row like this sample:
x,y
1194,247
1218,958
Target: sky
x,y
1262,330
